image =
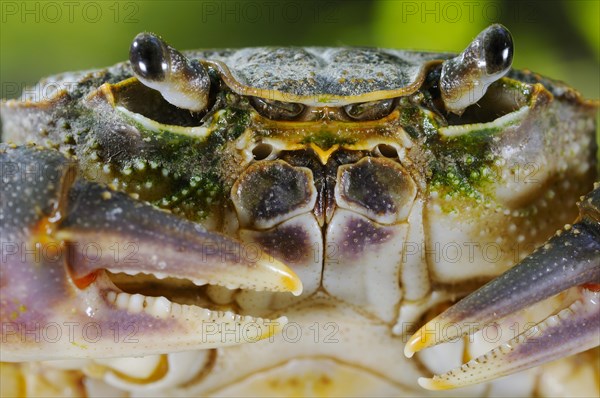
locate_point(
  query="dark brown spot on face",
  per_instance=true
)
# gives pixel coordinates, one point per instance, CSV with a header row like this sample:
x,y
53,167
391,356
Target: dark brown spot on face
x,y
380,186
289,243
272,189
375,198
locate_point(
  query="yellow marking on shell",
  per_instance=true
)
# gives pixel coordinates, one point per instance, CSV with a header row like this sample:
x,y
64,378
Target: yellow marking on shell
x,y
106,91
351,135
323,155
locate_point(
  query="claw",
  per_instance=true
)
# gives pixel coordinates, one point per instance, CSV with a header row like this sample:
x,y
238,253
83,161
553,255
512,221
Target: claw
x,y
60,238
569,261
158,243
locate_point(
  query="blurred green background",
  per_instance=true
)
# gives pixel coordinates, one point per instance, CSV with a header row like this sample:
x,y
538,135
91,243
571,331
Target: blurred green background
x,y
558,38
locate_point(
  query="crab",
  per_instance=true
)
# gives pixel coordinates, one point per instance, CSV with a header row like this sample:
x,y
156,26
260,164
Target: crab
x,y
300,221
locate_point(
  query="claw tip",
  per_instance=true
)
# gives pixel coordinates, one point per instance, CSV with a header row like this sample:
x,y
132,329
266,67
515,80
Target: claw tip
x,y
434,384
408,351
292,283
417,342
282,277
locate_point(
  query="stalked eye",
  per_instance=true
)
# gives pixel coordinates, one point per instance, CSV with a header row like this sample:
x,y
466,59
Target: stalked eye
x,y
466,78
182,82
148,57
370,110
276,110
498,50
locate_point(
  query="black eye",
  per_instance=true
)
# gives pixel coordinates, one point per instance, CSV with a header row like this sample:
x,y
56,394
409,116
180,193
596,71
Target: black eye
x,y
370,110
276,110
148,57
498,47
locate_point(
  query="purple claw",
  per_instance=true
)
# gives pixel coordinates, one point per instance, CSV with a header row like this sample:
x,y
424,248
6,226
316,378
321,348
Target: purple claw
x,y
59,237
568,261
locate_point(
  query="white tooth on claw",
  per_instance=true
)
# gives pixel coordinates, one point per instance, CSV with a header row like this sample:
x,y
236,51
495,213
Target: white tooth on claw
x,y
228,316
201,313
111,296
160,307
132,273
123,301
240,281
199,282
204,313
189,319
163,308
160,275
136,303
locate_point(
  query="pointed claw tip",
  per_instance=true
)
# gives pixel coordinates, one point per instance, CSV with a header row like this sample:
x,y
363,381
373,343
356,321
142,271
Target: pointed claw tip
x,y
418,341
290,281
408,351
294,285
434,384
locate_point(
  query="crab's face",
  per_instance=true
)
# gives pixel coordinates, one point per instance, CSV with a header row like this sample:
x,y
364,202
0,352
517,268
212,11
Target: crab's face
x,y
388,181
